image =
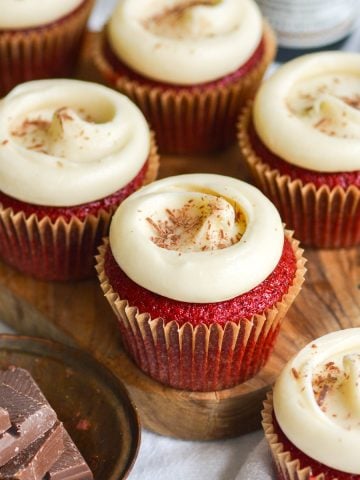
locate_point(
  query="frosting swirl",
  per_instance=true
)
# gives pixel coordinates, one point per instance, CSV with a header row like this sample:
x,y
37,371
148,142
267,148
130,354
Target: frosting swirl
x,y
32,13
317,400
317,103
209,232
68,142
185,42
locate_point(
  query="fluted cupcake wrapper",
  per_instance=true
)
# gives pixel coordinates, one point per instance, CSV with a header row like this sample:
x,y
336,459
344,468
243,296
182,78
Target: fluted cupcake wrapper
x,y
60,250
200,358
190,120
51,251
42,52
288,468
320,217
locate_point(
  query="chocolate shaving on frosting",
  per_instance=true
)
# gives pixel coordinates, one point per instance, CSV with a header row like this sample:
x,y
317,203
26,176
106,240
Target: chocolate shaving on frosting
x,y
183,229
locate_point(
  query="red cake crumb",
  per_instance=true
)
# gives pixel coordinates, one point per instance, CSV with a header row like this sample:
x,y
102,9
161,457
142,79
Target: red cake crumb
x,y
305,461
125,71
79,211
256,301
333,179
83,424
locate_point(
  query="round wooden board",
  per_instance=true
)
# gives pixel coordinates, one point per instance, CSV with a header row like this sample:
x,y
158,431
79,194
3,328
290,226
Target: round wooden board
x,y
77,313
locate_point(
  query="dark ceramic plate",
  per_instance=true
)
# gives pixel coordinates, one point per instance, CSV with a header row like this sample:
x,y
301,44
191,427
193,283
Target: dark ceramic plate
x,y
92,403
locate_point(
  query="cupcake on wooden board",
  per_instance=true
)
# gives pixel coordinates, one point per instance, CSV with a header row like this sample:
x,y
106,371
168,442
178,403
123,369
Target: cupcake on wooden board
x,y
70,152
202,305
312,418
189,65
301,139
39,39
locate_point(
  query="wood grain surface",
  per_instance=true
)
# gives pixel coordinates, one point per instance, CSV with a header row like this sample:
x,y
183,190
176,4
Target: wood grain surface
x,y
78,314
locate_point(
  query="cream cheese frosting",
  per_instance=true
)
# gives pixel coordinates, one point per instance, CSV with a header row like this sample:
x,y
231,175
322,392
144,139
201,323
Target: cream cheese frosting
x,y
317,400
32,13
185,42
202,237
308,112
68,142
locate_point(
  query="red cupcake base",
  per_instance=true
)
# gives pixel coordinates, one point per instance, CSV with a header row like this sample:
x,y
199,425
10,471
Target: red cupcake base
x,y
198,119
290,462
322,209
51,243
198,356
48,51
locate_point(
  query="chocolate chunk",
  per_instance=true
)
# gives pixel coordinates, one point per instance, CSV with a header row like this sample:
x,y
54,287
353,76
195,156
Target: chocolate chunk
x,y
5,423
29,418
71,465
33,462
21,381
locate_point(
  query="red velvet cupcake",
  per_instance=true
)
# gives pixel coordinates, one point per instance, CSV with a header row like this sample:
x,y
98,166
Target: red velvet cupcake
x,y
202,305
311,420
190,67
40,39
301,141
70,153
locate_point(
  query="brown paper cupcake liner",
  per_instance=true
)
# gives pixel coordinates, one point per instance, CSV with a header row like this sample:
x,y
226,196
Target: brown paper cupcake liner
x,y
42,52
60,250
190,120
320,217
287,467
201,358
154,161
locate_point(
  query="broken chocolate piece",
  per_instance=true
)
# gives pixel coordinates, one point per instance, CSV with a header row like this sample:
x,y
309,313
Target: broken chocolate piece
x,y
5,423
29,418
21,381
71,465
33,462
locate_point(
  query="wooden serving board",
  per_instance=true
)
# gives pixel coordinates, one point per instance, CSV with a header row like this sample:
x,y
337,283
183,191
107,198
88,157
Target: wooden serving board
x,y
78,314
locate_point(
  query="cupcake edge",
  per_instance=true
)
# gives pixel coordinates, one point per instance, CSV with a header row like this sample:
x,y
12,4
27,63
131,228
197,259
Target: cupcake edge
x,y
40,52
188,112
321,217
288,467
60,250
157,348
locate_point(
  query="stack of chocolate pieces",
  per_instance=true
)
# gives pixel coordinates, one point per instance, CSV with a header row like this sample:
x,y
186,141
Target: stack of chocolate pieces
x,y
34,444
